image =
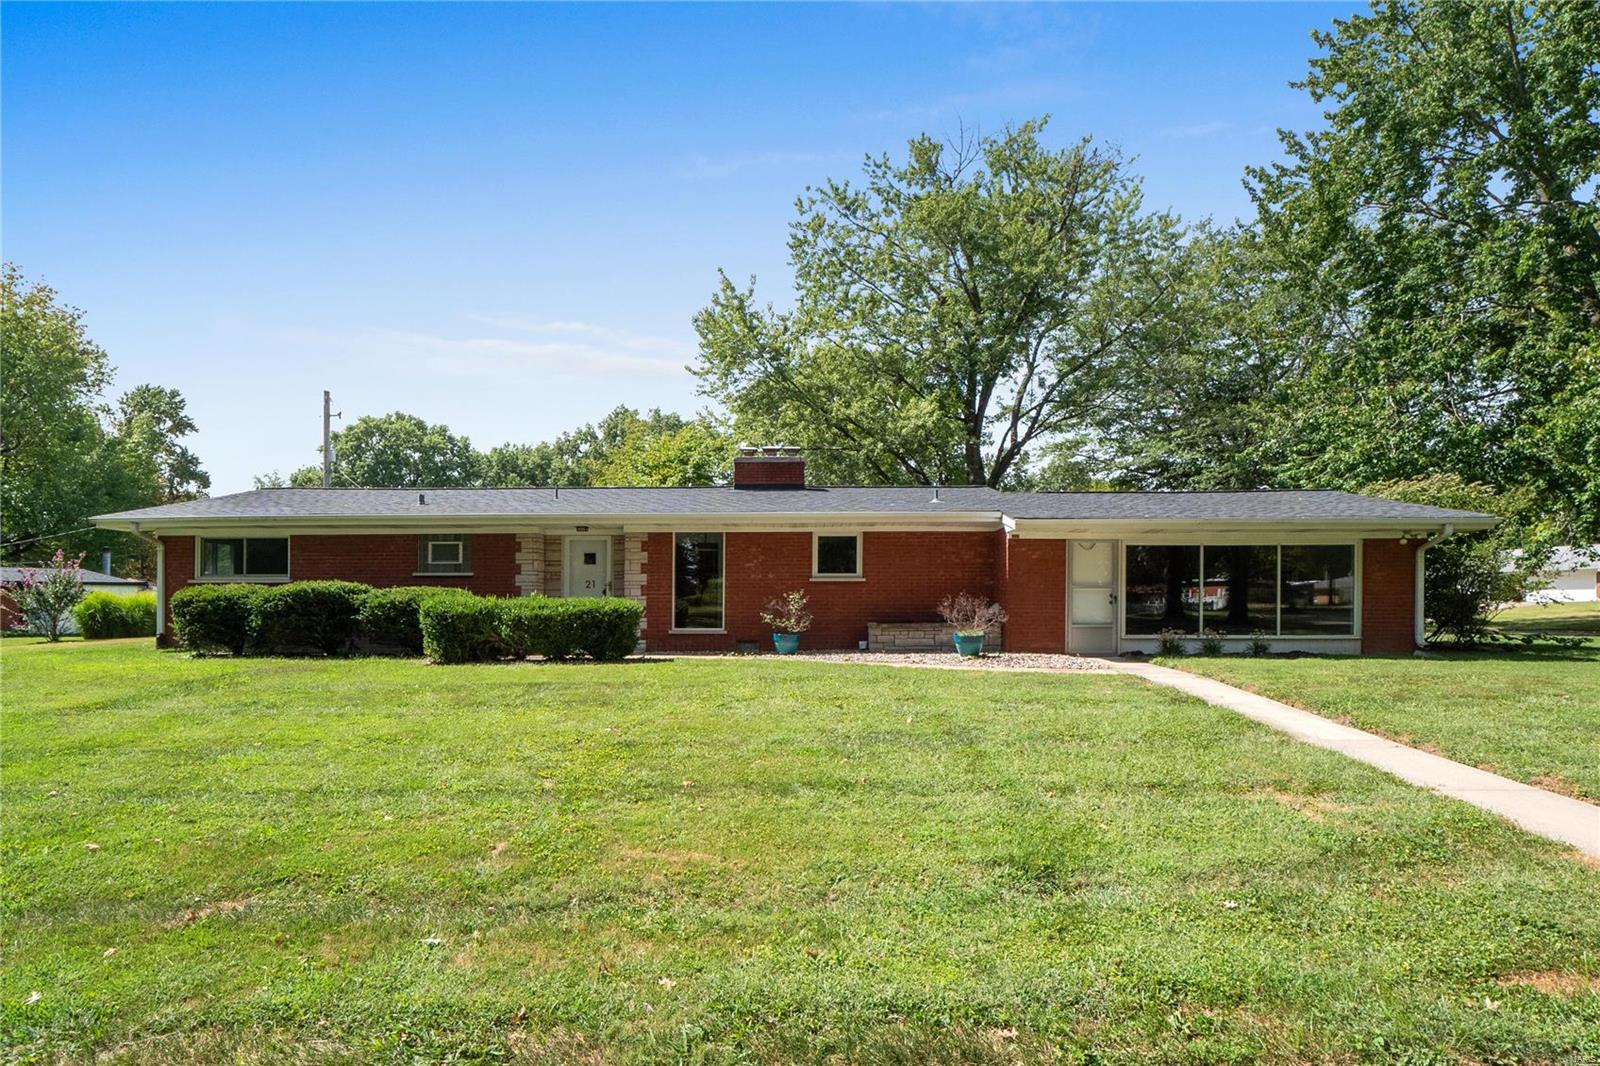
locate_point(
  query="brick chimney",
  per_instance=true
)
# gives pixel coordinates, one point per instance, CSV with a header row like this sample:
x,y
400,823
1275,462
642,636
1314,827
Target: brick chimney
x,y
776,465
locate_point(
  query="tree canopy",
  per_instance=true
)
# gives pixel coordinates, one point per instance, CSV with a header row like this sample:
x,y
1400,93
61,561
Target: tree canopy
x,y
64,453
951,312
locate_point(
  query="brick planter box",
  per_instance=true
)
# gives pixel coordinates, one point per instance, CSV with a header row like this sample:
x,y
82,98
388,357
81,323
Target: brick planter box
x,y
921,636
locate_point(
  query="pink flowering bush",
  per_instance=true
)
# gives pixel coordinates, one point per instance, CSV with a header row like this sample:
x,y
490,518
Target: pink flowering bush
x,y
47,595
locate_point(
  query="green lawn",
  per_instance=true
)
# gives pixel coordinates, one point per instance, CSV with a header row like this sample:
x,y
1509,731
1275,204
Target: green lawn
x,y
1532,713
743,861
1577,619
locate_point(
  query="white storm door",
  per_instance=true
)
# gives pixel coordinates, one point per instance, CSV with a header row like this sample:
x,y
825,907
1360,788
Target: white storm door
x,y
588,566
1092,597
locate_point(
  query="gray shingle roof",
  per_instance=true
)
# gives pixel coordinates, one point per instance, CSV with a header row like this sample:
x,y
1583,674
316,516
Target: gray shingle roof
x,y
291,503
12,575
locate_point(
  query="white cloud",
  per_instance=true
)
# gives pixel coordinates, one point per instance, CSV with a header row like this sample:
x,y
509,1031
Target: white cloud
x,y
568,349
1198,129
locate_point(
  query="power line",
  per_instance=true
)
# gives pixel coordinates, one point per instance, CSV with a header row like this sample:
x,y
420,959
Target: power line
x,y
47,536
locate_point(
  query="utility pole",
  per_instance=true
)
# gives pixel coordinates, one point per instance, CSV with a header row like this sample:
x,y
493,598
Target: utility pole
x,y
327,440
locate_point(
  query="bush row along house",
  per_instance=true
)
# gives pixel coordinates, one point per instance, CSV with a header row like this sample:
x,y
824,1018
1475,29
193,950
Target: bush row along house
x,y
1091,573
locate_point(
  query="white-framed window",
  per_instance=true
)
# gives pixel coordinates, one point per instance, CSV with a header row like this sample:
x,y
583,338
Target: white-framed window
x,y
835,556
697,582
444,553
241,558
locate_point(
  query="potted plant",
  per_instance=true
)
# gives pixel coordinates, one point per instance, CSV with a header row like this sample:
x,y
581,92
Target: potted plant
x,y
788,617
970,616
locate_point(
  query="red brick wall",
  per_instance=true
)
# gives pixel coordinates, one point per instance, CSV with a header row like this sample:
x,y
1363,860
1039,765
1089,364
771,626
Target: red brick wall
x,y
1031,583
907,574
374,559
765,471
1388,592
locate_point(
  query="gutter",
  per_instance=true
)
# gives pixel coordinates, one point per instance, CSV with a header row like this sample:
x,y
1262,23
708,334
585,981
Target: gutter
x,y
1418,609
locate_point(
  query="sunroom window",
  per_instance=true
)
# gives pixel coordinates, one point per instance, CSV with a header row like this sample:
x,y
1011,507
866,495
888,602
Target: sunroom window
x,y
1240,589
245,558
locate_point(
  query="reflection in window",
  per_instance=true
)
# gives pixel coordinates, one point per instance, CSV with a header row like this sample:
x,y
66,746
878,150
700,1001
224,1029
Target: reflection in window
x,y
1318,589
697,581
244,557
1162,588
1241,588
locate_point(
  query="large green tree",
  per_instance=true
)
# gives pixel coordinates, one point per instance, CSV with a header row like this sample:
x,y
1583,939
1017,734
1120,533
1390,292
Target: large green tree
x,y
1442,235
65,455
397,450
952,312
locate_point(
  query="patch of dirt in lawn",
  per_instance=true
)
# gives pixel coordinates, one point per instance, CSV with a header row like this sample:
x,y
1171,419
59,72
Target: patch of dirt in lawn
x,y
553,1045
206,910
1553,982
1558,784
1314,807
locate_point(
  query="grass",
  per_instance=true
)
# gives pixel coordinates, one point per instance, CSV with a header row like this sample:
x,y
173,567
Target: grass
x,y
1532,713
1575,619
743,861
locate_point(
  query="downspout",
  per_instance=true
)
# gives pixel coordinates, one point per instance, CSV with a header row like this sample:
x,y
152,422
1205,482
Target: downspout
x,y
161,579
1418,608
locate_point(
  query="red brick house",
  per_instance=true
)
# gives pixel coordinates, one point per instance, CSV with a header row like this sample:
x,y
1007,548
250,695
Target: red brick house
x,y
1090,572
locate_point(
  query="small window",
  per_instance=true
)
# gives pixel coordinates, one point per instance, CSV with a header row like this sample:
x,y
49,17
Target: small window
x,y
837,556
591,559
440,553
245,558
444,553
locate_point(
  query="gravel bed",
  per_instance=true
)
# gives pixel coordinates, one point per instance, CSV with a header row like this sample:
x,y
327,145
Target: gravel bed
x,y
1001,660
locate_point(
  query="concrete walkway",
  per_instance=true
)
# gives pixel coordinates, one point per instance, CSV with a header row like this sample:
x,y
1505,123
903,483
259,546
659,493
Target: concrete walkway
x,y
1561,818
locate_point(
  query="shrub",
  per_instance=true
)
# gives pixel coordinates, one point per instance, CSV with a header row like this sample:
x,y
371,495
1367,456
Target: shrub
x,y
390,619
788,613
1467,576
209,618
46,595
970,615
461,629
306,616
605,629
1210,642
1259,644
1169,642
101,615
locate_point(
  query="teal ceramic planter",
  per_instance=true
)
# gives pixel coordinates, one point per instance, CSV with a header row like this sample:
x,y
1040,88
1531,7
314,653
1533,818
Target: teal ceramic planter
x,y
786,643
969,644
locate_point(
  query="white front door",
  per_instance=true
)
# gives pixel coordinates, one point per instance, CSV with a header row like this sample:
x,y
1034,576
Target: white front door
x,y
588,566
1092,597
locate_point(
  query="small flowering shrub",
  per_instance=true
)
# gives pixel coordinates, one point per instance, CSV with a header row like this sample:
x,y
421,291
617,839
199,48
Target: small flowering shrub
x,y
47,595
1210,642
789,613
970,615
1259,644
1169,642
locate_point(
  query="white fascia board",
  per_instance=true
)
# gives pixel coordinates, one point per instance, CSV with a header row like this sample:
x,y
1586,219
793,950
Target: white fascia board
x,y
1232,528
282,525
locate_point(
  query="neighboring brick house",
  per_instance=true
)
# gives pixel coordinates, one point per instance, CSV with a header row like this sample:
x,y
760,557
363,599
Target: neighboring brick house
x,y
1087,572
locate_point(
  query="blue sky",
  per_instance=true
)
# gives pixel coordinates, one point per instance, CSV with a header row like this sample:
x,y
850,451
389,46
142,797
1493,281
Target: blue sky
x,y
504,217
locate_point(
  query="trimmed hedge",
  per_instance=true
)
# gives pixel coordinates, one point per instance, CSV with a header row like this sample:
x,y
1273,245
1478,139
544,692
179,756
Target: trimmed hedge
x,y
306,616
449,625
461,629
389,619
102,615
605,629
211,618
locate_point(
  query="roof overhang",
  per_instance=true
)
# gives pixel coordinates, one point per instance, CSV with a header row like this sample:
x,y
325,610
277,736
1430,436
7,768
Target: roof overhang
x,y
1127,529
279,525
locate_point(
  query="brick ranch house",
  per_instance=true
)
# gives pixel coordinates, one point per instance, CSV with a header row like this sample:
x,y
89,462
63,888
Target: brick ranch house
x,y
1084,572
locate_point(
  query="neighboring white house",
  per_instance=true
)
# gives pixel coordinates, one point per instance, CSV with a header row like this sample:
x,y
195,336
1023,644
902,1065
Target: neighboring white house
x,y
1572,576
93,581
